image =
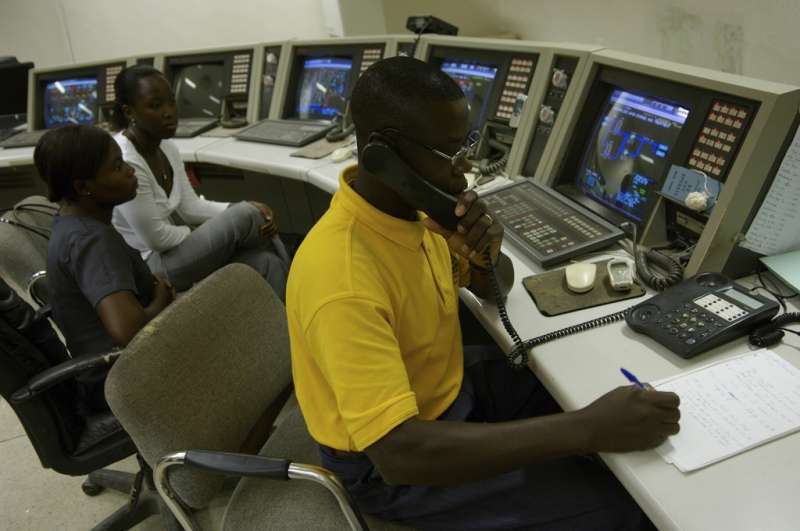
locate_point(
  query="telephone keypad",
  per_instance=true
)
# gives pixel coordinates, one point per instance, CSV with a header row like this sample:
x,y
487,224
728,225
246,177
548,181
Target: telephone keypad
x,y
699,319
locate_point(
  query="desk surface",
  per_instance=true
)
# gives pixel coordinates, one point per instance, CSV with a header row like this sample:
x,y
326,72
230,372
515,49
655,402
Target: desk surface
x,y
258,157
754,490
21,156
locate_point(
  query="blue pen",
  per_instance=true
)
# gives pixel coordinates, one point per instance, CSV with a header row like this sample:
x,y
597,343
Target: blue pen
x,y
631,378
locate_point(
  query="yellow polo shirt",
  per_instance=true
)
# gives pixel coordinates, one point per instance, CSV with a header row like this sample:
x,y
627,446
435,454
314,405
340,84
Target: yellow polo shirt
x,y
372,304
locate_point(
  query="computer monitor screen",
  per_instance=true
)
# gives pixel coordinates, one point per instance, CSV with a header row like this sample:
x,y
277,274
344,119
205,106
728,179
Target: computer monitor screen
x,y
70,101
625,160
322,91
476,81
199,89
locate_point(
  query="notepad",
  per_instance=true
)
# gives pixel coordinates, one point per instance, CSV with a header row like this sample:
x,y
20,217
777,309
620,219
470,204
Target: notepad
x,y
731,406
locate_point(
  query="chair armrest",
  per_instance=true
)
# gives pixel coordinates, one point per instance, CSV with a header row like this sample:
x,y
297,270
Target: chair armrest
x,y
63,372
245,465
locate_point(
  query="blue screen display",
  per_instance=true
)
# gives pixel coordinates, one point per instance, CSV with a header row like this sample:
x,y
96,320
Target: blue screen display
x,y
626,159
322,91
70,101
476,81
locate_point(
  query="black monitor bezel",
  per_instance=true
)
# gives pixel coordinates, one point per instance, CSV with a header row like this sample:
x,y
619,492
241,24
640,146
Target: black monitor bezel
x,y
173,63
608,78
300,54
18,73
438,54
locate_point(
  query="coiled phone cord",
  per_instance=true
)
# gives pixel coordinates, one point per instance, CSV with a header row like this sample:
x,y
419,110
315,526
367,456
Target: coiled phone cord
x,y
518,357
772,333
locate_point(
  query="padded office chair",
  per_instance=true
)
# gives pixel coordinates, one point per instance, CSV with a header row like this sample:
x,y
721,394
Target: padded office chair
x,y
37,378
24,234
205,369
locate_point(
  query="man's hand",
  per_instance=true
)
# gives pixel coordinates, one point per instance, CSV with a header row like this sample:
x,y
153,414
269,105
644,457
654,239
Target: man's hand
x,y
269,228
477,230
630,418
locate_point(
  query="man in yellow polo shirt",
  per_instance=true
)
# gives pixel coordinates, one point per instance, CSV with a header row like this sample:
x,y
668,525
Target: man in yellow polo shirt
x,y
378,361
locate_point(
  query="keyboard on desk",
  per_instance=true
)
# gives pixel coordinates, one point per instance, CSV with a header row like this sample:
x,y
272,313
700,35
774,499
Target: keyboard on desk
x,y
293,133
24,139
548,226
189,127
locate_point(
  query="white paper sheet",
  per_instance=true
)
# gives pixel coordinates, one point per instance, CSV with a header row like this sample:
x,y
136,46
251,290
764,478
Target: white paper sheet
x,y
774,230
731,406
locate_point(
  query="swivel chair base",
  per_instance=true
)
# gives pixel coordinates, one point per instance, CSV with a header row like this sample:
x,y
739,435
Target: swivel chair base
x,y
143,500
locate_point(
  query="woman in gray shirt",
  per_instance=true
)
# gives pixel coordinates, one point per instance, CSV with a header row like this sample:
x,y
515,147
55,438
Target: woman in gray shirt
x,y
102,292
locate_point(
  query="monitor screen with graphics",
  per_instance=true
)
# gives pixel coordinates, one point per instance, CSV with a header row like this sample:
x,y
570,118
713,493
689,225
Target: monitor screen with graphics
x,y
624,163
70,101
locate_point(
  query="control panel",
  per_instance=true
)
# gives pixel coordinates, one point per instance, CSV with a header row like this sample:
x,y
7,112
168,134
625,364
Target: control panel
x,y
560,77
517,82
713,152
723,130
370,56
240,72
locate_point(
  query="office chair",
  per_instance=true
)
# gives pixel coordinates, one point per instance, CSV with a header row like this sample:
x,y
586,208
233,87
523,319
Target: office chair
x,y
24,234
228,358
37,378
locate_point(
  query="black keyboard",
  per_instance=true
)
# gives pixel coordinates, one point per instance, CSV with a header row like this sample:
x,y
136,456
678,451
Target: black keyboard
x,y
189,127
294,133
23,139
548,226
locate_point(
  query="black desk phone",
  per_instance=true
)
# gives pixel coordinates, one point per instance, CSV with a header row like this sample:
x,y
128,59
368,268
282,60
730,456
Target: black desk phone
x,y
700,313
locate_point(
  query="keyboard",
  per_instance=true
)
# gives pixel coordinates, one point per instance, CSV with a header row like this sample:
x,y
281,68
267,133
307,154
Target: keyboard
x,y
189,127
548,226
23,139
294,133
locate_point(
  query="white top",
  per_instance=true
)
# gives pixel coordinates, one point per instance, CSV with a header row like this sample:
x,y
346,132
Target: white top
x,y
145,221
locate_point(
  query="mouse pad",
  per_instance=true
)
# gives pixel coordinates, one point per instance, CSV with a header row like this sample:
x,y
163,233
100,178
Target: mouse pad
x,y
551,295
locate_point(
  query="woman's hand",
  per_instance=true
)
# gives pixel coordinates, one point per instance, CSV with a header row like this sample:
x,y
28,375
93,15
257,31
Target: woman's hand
x,y
270,228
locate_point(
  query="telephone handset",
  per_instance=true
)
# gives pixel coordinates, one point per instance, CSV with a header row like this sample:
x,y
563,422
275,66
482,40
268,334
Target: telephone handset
x,y
380,159
700,313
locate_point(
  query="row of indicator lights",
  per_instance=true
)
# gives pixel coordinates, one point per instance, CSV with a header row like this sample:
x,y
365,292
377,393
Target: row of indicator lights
x,y
111,75
722,119
733,112
716,144
722,135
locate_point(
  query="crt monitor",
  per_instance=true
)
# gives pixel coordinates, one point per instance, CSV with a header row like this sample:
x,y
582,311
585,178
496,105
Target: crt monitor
x,y
321,77
14,88
70,101
476,80
625,159
323,87
199,89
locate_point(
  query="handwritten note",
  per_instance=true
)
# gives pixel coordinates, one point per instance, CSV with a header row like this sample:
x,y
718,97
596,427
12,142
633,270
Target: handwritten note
x,y
732,406
774,229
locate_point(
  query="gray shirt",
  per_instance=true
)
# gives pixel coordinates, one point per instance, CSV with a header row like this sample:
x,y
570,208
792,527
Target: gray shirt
x,y
86,261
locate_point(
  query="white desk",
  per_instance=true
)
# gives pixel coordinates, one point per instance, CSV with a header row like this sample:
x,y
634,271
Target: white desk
x,y
189,147
258,157
21,156
754,490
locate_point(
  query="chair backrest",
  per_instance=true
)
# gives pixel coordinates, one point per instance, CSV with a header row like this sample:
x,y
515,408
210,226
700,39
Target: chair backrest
x,y
201,373
24,250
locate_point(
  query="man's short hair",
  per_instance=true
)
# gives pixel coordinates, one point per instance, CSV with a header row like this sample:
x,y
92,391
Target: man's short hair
x,y
394,93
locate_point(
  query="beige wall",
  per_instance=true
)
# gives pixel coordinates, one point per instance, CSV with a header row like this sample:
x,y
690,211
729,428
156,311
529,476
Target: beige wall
x,y
56,32
757,39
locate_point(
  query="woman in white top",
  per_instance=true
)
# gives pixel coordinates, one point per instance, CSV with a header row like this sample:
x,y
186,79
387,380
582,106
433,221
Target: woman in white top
x,y
181,235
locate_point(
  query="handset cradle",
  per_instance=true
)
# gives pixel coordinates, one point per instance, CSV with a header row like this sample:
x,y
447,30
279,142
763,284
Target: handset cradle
x,y
379,159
